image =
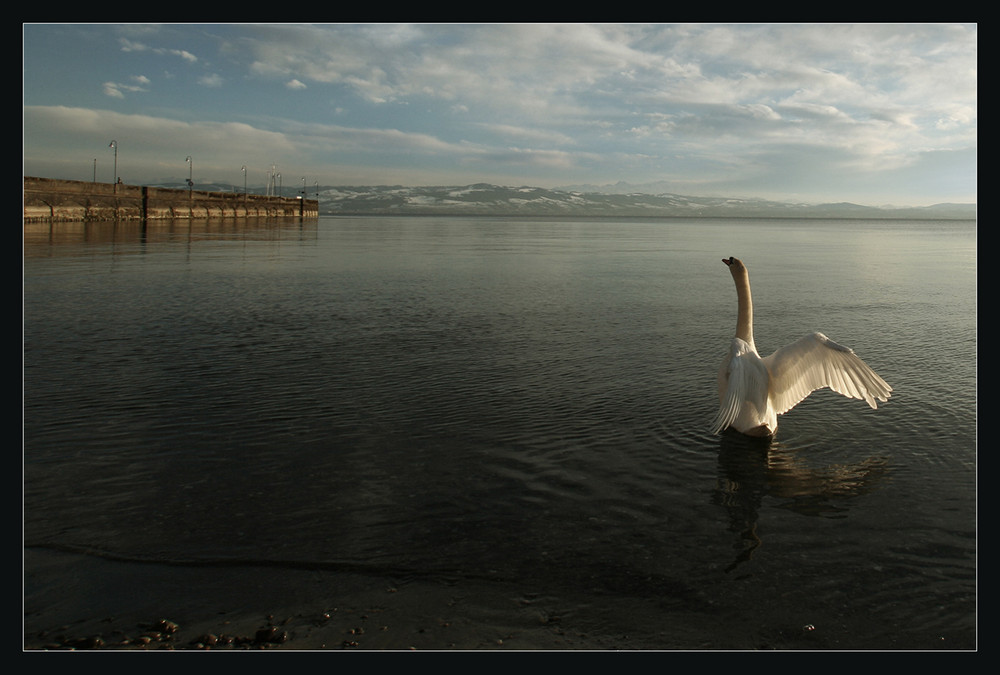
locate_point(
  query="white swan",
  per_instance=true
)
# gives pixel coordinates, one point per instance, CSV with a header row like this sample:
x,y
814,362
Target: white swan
x,y
753,391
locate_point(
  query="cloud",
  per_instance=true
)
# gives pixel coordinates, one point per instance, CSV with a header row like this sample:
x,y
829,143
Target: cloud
x,y
113,90
118,89
185,55
211,80
133,46
530,134
156,144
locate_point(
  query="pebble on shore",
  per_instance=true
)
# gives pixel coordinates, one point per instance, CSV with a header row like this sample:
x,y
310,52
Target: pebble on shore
x,y
163,634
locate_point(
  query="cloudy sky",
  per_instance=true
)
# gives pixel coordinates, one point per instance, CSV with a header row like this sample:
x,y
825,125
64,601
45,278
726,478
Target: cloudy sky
x,y
868,113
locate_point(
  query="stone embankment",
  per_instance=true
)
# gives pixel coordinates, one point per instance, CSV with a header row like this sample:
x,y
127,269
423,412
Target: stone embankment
x,y
48,199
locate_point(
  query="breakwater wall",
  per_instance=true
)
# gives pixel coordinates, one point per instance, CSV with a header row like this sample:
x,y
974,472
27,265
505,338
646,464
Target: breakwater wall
x,y
47,199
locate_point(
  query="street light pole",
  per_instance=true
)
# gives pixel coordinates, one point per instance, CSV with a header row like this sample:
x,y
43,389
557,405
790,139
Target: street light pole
x,y
244,169
190,174
114,144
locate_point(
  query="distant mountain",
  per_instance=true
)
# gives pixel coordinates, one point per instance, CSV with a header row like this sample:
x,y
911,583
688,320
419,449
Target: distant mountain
x,y
484,199
622,188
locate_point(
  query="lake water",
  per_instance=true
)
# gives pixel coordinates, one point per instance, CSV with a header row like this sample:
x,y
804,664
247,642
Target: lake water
x,y
522,404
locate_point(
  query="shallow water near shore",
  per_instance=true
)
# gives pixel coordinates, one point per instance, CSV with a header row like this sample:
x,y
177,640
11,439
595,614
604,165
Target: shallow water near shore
x,y
498,425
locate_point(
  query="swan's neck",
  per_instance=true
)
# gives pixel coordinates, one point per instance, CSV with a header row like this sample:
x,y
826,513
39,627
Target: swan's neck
x,y
744,318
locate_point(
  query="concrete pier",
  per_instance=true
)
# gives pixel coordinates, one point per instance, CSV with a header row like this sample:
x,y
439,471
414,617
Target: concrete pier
x,y
47,199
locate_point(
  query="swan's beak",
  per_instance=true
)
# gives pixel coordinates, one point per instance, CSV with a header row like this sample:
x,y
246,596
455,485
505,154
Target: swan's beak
x,y
729,261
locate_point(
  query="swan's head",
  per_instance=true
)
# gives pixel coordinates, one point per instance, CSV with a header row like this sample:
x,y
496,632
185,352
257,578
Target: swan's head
x,y
735,265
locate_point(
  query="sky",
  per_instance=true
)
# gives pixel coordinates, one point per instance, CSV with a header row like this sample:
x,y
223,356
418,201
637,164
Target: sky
x,y
873,114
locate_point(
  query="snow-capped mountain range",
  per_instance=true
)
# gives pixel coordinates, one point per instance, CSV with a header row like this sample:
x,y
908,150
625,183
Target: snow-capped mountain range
x,y
495,200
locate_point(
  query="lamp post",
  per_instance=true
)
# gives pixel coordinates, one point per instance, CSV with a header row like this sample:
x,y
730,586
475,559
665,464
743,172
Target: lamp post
x,y
190,174
244,170
114,145
279,184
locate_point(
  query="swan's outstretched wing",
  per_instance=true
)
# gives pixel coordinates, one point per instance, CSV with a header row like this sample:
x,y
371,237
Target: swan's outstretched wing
x,y
816,361
746,385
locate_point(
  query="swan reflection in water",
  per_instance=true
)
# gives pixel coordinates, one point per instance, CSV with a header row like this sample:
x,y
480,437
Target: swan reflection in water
x,y
753,468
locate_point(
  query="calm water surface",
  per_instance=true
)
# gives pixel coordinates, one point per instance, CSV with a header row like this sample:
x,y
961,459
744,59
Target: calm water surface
x,y
522,401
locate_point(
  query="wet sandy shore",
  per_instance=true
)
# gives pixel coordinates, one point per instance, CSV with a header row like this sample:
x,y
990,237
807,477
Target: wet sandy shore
x,y
81,602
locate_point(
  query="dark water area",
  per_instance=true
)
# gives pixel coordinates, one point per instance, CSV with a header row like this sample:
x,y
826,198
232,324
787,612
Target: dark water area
x,y
519,407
